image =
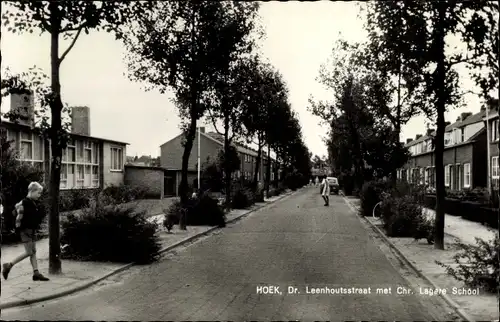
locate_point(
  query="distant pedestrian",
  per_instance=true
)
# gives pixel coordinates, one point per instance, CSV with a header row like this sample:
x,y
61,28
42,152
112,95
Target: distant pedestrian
x,y
28,220
325,187
310,182
317,181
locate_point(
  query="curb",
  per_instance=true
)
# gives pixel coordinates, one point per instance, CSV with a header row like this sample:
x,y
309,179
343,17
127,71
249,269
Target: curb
x,y
18,303
463,315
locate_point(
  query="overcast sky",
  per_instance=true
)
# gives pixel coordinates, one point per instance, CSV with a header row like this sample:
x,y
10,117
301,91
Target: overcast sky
x,y
300,36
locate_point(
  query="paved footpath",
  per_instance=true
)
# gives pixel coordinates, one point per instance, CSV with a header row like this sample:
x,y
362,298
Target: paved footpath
x,y
20,289
475,307
295,242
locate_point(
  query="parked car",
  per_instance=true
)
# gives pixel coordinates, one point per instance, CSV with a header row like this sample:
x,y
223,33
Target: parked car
x,y
334,185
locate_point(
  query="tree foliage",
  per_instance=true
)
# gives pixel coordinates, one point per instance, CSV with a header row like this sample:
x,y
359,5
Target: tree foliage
x,y
183,46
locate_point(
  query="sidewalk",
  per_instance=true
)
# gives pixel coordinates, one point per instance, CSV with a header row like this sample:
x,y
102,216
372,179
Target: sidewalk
x,y
20,289
420,255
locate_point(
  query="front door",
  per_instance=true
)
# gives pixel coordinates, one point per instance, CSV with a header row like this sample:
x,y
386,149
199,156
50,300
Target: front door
x,y
169,185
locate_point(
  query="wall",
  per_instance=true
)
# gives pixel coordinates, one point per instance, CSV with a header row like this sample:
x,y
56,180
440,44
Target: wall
x,y
171,152
472,129
112,177
151,179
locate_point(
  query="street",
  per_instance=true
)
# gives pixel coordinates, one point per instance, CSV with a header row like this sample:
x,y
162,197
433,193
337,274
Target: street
x,y
296,242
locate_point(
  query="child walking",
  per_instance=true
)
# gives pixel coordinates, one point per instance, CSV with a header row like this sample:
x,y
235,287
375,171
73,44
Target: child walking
x,y
28,220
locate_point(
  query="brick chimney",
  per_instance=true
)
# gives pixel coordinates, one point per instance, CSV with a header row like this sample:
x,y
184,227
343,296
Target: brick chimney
x,y
23,108
409,140
80,120
429,132
418,136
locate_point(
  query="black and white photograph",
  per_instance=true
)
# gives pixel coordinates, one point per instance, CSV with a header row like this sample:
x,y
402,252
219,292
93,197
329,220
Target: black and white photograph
x,y
249,160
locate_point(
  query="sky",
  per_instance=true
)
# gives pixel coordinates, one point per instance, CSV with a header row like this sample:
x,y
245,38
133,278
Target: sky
x,y
299,38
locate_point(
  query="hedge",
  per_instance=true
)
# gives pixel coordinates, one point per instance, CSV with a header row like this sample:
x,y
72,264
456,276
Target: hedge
x,y
470,210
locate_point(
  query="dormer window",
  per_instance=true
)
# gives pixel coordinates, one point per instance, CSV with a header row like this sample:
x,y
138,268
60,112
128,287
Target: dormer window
x,y
448,139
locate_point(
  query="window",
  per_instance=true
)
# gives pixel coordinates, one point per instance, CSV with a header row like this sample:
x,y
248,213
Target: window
x,y
426,175
447,175
422,176
457,135
64,175
116,159
448,139
494,172
494,131
429,145
467,175
95,153
458,176
32,149
95,176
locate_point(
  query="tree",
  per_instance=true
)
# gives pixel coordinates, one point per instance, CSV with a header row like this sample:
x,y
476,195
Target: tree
x,y
265,88
67,19
182,46
228,103
429,23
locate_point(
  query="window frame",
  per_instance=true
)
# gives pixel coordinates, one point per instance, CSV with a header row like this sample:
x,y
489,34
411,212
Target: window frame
x,y
447,174
119,151
82,163
467,176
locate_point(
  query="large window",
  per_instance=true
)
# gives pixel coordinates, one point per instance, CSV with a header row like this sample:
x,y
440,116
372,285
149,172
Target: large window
x,y
447,169
32,149
448,139
80,165
467,175
494,172
494,131
116,159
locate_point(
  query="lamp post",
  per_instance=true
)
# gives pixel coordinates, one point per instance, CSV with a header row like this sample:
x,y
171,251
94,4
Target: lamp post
x,y
488,147
199,166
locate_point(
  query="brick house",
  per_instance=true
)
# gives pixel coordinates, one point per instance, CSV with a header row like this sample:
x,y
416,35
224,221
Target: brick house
x,y
494,141
210,145
87,162
464,155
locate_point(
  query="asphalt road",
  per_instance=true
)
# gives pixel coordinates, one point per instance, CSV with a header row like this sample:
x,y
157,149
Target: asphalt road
x,y
297,242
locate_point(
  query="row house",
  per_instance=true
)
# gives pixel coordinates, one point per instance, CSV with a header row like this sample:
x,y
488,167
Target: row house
x,y
87,162
464,155
210,144
493,126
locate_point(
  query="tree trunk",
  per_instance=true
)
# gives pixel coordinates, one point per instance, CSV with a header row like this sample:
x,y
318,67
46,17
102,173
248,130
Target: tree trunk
x,y
56,137
188,146
227,165
257,167
268,169
440,106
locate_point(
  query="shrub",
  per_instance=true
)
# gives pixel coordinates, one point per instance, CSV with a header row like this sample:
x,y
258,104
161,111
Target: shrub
x,y
15,178
109,233
371,195
403,217
205,211
477,265
73,199
172,214
124,193
242,198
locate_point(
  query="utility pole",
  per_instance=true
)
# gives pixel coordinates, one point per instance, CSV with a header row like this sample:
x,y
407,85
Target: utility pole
x,y
488,153
199,166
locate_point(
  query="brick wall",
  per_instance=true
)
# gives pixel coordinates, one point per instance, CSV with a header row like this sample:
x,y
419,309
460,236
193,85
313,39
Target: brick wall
x,y
149,178
171,152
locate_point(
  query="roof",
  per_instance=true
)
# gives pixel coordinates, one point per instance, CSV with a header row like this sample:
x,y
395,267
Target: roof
x,y
27,127
135,166
475,118
219,139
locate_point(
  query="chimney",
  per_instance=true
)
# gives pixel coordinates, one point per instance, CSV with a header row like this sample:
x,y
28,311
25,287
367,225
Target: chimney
x,y
483,109
429,132
202,129
418,136
408,140
23,108
464,116
446,123
80,120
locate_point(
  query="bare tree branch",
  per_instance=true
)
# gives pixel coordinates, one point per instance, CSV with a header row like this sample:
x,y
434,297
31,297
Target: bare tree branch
x,y
71,45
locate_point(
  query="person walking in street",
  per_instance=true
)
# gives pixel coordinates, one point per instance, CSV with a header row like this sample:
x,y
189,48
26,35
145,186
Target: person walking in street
x,y
28,220
325,191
